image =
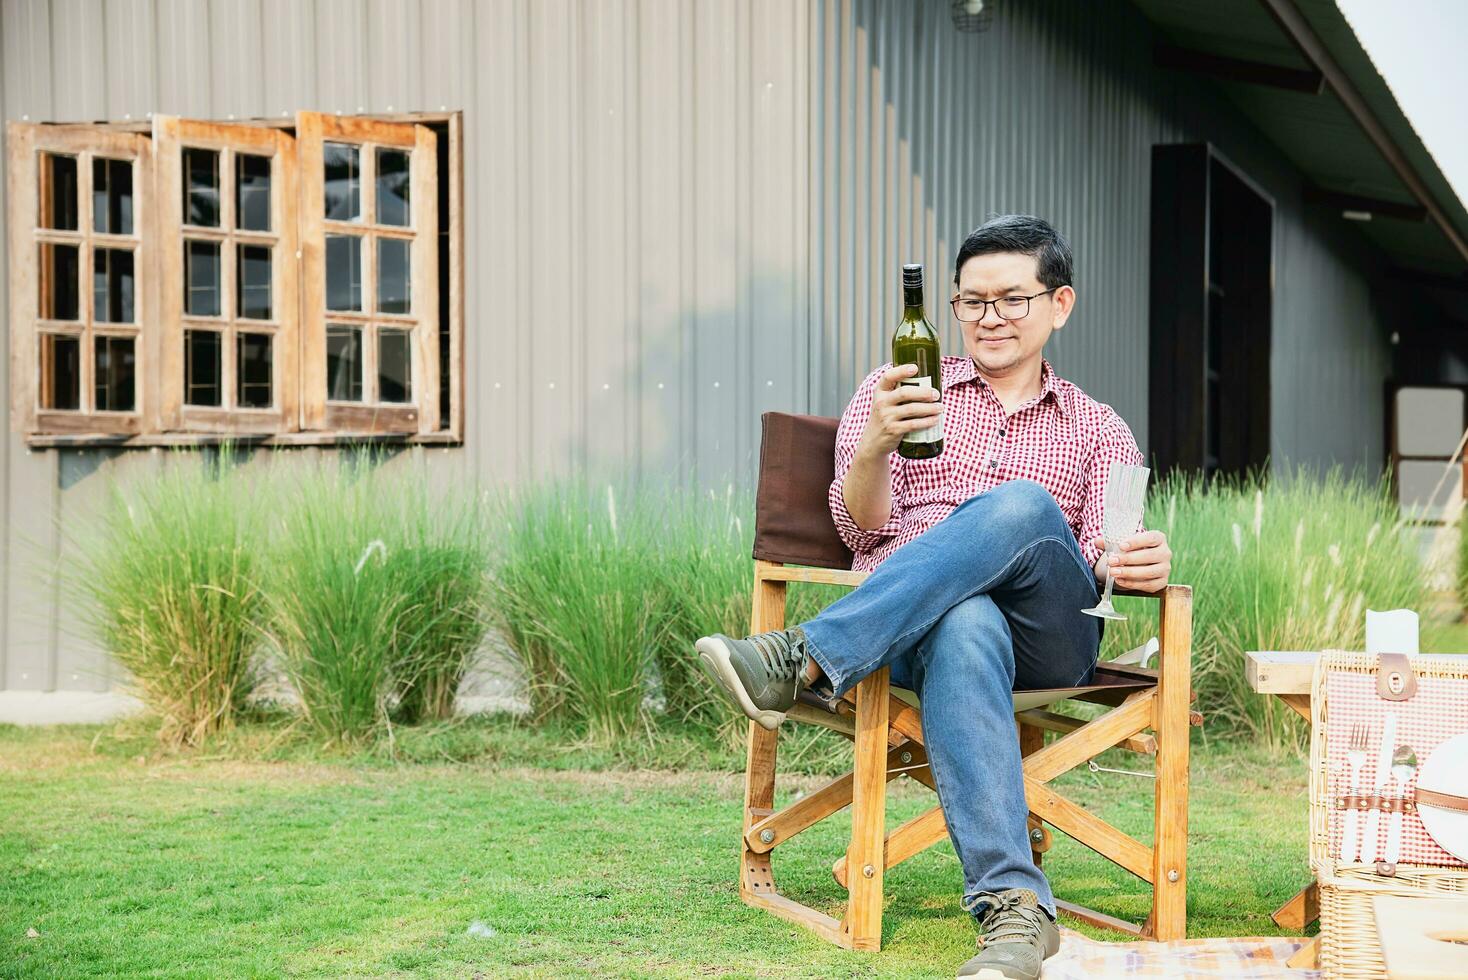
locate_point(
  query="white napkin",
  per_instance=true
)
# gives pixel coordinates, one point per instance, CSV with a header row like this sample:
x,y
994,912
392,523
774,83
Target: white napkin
x,y
1391,632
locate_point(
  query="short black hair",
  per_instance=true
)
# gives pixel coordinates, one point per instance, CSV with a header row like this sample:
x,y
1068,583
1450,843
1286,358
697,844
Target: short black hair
x,y
1027,235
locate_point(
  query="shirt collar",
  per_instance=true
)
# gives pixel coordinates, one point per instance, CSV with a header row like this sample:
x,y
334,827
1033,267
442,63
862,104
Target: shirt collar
x,y
1050,388
965,370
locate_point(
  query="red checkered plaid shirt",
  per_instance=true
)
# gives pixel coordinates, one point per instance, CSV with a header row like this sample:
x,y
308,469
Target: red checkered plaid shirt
x,y
1062,439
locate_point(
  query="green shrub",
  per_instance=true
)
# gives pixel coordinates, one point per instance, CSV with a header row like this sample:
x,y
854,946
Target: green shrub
x,y
377,590
438,635
577,594
1462,576
169,568
707,577
708,566
1288,564
684,562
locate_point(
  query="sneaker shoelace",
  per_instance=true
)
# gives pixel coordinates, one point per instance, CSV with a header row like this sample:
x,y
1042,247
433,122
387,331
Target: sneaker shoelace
x,y
781,657
1007,918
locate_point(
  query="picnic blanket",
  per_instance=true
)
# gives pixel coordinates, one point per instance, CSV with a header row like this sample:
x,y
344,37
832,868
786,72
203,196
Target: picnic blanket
x,y
1185,959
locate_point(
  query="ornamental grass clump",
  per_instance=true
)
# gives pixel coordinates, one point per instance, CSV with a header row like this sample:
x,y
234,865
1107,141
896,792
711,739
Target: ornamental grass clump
x,y
1461,578
576,593
1291,563
706,578
708,581
169,568
439,633
376,595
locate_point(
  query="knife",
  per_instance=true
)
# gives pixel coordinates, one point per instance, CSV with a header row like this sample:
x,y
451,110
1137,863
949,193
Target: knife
x,y
1370,850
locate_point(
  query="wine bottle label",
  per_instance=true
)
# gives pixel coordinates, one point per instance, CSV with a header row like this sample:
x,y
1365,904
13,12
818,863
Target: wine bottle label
x,y
934,432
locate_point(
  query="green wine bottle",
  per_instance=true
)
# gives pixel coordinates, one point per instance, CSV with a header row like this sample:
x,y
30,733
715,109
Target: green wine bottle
x,y
916,342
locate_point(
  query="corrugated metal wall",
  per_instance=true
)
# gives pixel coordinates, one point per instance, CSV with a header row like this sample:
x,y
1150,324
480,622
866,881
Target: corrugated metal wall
x,y
925,132
681,213
635,186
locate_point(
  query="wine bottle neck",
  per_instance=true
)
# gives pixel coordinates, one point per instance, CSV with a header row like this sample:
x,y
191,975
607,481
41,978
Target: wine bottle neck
x,y
912,301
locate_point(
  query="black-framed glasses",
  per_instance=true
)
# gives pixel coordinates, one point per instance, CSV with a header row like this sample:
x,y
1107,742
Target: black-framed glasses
x,y
970,309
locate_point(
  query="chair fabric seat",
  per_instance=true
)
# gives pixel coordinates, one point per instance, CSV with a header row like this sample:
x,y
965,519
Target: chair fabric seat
x,y
1108,680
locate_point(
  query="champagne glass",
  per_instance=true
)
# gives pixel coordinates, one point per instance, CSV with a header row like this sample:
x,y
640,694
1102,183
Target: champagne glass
x,y
1121,515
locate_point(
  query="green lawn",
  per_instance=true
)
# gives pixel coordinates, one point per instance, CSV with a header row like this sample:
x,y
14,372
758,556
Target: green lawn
x,y
138,864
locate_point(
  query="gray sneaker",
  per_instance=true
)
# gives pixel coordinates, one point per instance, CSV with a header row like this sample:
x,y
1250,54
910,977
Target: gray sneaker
x,y
761,673
1016,936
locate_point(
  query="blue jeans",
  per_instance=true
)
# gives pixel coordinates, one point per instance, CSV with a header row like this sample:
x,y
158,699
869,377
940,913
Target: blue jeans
x,y
985,602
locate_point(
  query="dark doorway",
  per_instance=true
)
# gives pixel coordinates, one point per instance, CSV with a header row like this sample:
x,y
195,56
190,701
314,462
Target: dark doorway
x,y
1211,295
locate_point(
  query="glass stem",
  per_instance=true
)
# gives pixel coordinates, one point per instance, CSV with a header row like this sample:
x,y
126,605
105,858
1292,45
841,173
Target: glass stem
x,y
1106,595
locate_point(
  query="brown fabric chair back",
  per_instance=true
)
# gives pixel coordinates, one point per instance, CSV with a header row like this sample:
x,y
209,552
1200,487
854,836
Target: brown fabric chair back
x,y
792,519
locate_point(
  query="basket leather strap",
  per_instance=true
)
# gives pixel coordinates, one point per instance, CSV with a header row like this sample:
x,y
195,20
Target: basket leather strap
x,y
1447,801
1395,680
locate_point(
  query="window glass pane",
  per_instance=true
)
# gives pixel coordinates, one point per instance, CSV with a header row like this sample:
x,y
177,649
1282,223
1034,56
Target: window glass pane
x,y
1424,493
58,192
112,196
343,363
394,366
343,272
252,192
114,374
203,367
201,187
392,187
254,282
112,285
61,372
201,278
252,364
1429,421
59,280
343,182
393,276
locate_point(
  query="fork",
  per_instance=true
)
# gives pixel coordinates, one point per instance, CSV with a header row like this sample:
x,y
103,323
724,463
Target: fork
x,y
1355,759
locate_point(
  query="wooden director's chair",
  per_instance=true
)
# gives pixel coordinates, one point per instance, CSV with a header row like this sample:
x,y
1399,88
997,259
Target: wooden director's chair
x,y
796,541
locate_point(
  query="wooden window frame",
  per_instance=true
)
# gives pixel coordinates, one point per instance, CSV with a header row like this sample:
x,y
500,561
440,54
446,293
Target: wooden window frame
x,y
419,415
160,418
171,136
26,142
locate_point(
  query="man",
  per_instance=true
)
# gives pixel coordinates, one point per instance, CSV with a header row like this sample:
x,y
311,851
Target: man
x,y
982,560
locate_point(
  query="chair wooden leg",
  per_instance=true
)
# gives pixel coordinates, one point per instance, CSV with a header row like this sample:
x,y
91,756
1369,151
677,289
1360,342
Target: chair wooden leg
x,y
1031,740
767,612
865,855
755,876
1170,722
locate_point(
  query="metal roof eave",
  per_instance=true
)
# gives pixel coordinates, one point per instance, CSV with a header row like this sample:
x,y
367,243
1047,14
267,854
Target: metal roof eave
x,y
1374,150
1327,40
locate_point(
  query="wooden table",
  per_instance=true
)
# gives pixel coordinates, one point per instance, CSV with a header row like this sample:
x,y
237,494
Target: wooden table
x,y
1287,675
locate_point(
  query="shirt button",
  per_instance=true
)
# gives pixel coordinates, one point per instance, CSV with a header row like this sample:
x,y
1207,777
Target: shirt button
x,y
1001,432
993,464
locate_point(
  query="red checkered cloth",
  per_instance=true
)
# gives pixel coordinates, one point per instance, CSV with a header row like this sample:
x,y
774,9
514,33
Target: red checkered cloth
x,y
1436,713
1062,439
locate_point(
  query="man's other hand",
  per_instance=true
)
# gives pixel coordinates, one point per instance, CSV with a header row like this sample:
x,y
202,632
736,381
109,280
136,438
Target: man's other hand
x,y
1143,565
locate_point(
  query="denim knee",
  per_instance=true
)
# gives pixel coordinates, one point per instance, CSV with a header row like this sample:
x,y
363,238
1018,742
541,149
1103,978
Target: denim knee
x,y
972,638
1024,503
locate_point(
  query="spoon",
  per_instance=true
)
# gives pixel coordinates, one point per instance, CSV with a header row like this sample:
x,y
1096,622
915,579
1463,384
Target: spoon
x,y
1404,767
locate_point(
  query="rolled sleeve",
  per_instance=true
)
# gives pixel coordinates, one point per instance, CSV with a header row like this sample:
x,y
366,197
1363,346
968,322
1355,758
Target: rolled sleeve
x,y
853,422
1116,445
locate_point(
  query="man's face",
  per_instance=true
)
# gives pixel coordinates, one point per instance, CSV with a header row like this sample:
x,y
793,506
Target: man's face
x,y
998,346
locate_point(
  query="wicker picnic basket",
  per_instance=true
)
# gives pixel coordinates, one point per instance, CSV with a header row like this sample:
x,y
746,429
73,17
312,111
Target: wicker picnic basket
x,y
1349,946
